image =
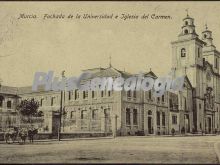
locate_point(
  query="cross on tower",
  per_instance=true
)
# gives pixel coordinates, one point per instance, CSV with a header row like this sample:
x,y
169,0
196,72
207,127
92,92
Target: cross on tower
x,y
187,12
206,26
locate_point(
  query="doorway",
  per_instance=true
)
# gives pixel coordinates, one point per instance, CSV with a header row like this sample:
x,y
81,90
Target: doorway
x,y
150,129
209,124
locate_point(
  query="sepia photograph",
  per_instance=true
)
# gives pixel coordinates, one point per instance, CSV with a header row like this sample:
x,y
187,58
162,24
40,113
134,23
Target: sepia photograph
x,y
109,82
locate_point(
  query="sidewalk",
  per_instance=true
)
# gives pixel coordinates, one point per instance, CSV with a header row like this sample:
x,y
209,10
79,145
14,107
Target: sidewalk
x,y
68,139
111,137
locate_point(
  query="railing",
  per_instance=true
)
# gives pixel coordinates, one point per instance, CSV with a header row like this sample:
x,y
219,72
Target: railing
x,y
174,108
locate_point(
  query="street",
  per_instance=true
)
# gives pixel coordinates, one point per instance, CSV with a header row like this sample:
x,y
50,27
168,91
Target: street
x,y
143,149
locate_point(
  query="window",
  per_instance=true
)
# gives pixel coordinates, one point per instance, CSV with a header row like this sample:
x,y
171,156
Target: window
x,y
109,93
186,22
163,118
41,102
186,31
85,94
163,98
135,117
198,52
200,106
149,113
185,105
216,63
135,94
174,119
102,93
94,114
128,93
171,103
158,99
183,52
70,94
150,95
83,114
158,118
8,104
128,120
52,101
107,113
93,94
1,103
76,94
205,35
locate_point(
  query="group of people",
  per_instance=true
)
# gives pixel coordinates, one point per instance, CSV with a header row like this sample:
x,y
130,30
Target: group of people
x,y
20,134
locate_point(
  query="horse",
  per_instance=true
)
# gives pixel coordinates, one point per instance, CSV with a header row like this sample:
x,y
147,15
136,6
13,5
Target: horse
x,y
31,133
23,135
11,135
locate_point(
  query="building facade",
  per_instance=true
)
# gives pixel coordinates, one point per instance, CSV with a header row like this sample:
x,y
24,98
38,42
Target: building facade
x,y
194,109
199,60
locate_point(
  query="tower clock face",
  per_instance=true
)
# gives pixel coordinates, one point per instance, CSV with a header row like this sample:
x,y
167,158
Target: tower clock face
x,y
208,76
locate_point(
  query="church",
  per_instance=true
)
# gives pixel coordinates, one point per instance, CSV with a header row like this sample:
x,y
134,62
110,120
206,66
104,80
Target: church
x,y
198,59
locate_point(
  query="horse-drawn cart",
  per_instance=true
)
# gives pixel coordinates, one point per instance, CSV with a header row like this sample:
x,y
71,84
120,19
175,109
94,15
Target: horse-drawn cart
x,y
20,133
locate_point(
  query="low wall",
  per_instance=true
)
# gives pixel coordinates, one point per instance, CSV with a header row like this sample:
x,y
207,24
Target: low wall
x,y
43,136
83,135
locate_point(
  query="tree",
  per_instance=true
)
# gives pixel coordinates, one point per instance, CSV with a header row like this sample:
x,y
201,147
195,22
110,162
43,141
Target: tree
x,y
28,108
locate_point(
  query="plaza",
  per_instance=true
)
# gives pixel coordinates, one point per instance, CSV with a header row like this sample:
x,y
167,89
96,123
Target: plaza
x,y
130,149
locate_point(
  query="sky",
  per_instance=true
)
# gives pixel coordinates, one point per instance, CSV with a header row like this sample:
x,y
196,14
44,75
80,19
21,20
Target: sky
x,y
32,45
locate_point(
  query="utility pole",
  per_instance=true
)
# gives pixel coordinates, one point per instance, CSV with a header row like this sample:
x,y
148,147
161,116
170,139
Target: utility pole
x,y
115,132
61,111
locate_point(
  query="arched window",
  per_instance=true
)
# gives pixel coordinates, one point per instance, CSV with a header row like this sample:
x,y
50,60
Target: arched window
x,y
149,112
186,23
9,104
205,35
158,118
128,119
183,52
129,94
150,94
94,114
135,117
186,31
83,114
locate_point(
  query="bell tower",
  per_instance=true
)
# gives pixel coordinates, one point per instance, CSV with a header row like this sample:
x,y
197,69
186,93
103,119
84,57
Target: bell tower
x,y
210,53
207,37
188,28
187,59
187,51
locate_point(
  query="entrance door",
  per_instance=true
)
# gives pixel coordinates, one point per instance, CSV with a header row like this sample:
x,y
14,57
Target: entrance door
x,y
107,120
55,123
209,124
187,128
150,129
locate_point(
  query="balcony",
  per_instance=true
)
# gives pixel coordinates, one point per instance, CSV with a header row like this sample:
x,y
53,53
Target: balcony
x,y
174,108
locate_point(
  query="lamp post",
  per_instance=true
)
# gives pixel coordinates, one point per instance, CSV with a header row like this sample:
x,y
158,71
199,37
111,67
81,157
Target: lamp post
x,y
61,110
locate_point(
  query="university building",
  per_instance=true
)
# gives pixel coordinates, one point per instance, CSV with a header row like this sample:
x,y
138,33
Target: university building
x,y
194,109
